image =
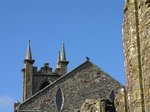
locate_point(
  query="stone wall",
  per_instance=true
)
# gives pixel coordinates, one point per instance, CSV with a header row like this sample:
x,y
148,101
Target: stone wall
x,y
121,101
92,105
144,34
85,82
39,79
136,40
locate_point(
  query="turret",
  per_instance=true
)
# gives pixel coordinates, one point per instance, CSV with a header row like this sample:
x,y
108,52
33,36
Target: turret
x,y
28,74
62,63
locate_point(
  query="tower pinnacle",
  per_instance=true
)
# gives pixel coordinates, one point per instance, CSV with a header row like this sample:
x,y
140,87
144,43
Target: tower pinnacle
x,y
62,62
28,54
28,74
58,60
63,54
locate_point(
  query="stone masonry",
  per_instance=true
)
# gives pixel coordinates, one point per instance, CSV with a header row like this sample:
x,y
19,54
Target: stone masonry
x,y
136,40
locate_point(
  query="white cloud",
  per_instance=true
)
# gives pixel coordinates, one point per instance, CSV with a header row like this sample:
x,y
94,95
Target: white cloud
x,y
6,104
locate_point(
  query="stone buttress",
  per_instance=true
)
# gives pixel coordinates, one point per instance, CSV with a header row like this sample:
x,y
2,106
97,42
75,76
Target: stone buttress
x,y
136,40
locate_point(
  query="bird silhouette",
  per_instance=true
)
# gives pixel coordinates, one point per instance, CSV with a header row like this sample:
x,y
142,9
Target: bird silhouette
x,y
87,58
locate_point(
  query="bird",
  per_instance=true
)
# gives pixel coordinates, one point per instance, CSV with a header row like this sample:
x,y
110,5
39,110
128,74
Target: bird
x,y
87,58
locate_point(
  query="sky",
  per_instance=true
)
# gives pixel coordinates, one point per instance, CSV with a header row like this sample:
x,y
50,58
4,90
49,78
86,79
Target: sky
x,y
90,28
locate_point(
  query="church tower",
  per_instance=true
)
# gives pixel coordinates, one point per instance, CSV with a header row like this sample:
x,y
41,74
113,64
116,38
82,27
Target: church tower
x,y
28,74
136,41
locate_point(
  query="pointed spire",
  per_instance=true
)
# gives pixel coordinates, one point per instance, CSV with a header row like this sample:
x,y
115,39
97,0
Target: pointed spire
x,y
63,54
58,60
63,62
29,55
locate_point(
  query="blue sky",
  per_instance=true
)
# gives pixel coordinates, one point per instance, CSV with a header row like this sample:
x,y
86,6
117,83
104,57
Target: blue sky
x,y
90,28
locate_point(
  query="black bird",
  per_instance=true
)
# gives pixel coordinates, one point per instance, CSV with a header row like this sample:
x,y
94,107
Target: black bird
x,y
87,58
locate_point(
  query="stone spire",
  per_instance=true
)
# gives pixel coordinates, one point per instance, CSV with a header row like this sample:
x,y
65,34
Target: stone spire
x,y
63,54
28,74
63,62
58,60
28,54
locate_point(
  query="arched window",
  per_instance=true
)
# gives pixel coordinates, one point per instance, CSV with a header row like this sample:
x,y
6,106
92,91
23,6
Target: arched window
x,y
46,83
59,99
112,96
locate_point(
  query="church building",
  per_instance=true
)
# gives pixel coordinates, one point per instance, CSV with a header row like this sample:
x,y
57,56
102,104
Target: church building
x,y
57,90
87,88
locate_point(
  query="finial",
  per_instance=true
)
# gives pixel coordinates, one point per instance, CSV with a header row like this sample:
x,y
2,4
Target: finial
x,y
58,60
63,54
28,42
29,55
